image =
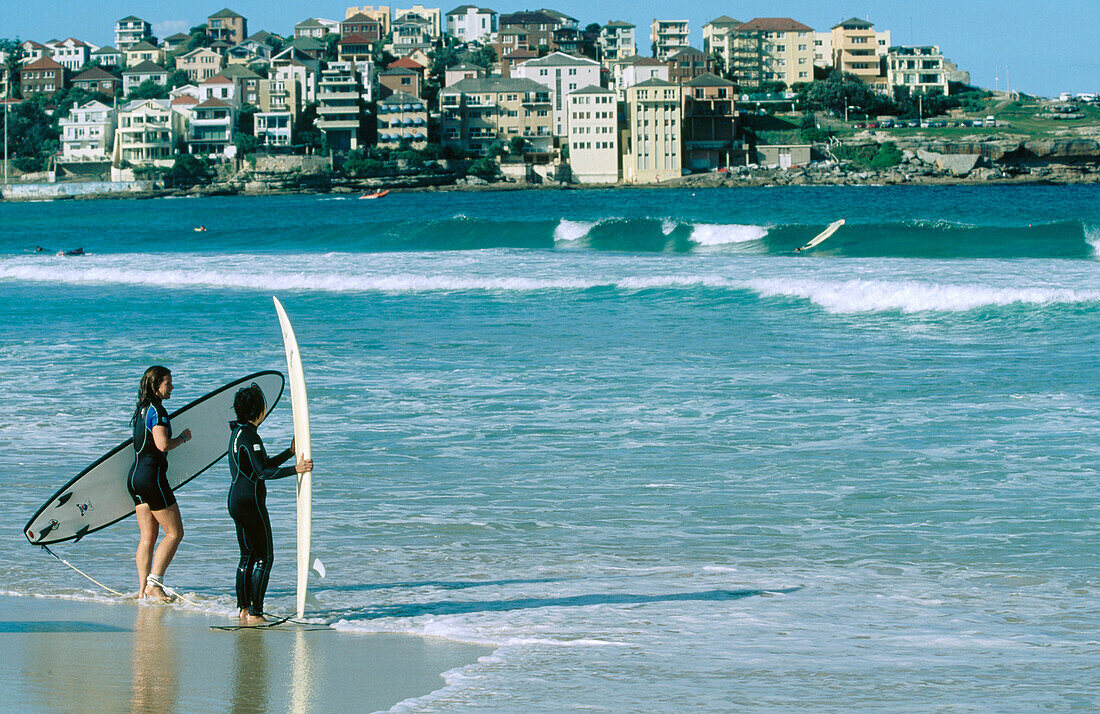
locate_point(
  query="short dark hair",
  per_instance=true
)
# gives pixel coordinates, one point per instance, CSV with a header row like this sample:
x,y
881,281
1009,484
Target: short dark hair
x,y
249,402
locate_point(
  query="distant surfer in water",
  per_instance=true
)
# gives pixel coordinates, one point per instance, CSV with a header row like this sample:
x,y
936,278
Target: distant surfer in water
x,y
155,504
250,467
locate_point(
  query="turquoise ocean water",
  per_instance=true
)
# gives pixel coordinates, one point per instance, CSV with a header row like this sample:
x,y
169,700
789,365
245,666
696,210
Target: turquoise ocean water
x,y
629,438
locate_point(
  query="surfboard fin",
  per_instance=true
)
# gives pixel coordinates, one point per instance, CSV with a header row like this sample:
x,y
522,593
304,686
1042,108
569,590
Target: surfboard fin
x,y
318,567
312,600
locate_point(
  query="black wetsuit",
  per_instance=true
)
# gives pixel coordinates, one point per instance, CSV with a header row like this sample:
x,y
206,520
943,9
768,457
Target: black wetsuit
x,y
250,467
148,479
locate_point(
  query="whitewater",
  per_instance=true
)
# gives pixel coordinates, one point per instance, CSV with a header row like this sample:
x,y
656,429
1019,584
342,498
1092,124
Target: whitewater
x,y
630,440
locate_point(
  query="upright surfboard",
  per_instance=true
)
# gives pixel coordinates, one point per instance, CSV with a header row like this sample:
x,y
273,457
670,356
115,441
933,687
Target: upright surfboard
x,y
97,496
302,446
820,237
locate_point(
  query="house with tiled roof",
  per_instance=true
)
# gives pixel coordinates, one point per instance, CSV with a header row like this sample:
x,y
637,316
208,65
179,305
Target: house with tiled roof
x,y
407,63
772,49
363,25
72,54
210,128
511,60
470,23
400,79
311,28
354,48
175,43
34,51
687,64
411,32
462,71
309,46
142,52
43,76
97,79
108,57
135,76
200,63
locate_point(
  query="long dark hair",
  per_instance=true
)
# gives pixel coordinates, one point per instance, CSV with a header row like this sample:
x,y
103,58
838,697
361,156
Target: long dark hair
x,y
147,391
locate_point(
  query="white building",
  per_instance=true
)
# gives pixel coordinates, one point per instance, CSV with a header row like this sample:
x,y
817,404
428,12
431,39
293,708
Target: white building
x,y
668,37
920,69
593,135
88,133
210,128
561,74
636,70
470,23
72,54
131,30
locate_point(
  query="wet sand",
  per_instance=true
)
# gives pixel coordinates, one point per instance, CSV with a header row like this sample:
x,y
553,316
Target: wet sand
x,y
64,655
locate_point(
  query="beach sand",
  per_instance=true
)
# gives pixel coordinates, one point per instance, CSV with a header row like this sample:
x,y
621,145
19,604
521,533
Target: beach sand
x,y
66,655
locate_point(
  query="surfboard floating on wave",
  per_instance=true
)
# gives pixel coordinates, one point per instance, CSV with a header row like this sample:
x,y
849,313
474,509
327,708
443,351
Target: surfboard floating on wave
x,y
820,237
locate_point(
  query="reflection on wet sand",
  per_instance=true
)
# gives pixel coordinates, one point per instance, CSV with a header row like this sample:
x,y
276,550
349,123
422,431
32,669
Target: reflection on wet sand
x,y
251,672
154,679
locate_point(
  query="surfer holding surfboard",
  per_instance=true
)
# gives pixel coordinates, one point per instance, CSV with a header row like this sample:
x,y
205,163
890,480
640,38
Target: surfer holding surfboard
x,y
250,469
155,504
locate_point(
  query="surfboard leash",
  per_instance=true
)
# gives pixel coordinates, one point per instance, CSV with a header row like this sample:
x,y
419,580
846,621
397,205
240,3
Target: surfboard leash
x,y
89,577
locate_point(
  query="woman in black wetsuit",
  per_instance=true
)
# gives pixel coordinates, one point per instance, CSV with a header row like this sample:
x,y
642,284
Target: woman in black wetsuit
x,y
154,502
250,467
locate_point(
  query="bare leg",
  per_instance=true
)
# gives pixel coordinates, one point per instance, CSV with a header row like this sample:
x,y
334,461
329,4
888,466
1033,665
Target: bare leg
x,y
170,521
147,526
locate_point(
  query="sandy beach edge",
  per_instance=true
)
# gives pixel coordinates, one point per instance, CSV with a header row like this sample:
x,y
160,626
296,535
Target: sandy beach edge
x,y
76,655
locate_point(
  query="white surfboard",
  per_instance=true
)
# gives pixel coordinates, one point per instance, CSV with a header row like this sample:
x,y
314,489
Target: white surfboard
x,y
97,496
817,240
302,446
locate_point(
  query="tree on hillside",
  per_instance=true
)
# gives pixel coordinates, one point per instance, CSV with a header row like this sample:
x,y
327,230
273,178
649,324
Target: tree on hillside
x,y
842,90
148,89
13,56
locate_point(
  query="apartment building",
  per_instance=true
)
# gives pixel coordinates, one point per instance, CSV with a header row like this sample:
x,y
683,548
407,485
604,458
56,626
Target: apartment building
x,y
475,113
635,70
402,117
617,42
859,50
131,30
687,64
108,57
381,13
72,54
227,26
718,37
470,23
147,131
561,74
772,49
209,131
593,135
341,109
668,37
920,69
654,132
432,14
361,25
43,76
710,123
88,132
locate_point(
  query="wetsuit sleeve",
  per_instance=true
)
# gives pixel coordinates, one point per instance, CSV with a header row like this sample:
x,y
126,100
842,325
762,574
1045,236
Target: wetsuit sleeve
x,y
263,469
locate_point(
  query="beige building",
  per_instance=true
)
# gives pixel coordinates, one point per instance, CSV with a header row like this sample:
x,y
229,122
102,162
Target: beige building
x,y
654,132
718,37
668,37
859,50
147,132
475,113
593,135
143,52
200,64
381,13
431,14
402,117
772,49
920,69
617,42
228,26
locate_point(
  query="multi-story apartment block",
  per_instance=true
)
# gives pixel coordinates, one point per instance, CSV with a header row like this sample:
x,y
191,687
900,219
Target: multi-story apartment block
x,y
561,74
689,63
99,80
72,54
920,69
823,49
131,30
43,76
142,52
470,23
227,26
462,71
200,64
772,49
654,132
718,37
381,13
475,113
617,42
246,83
859,50
354,47
635,70
210,128
593,137
431,14
135,76
147,131
88,132
668,36
527,30
710,123
340,107
281,93
305,74
402,117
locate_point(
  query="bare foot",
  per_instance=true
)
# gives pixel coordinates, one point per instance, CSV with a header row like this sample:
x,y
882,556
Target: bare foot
x,y
254,620
242,614
156,591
